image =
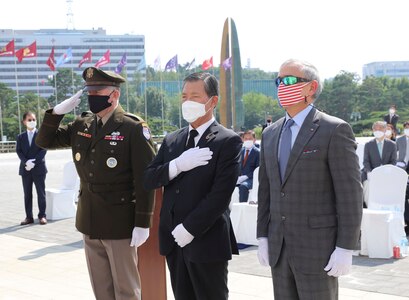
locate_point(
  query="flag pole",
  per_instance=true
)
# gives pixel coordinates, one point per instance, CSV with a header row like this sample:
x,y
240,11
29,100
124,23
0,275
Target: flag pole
x,y
55,87
18,97
146,101
127,90
72,85
161,96
38,94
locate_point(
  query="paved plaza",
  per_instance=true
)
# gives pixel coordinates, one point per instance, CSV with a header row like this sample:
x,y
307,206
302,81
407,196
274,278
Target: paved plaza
x,y
47,262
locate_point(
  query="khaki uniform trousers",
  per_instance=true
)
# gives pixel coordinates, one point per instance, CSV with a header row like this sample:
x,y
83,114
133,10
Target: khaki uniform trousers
x,y
113,269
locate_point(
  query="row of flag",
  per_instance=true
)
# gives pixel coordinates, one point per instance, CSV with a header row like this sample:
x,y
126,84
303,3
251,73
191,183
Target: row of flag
x,y
31,51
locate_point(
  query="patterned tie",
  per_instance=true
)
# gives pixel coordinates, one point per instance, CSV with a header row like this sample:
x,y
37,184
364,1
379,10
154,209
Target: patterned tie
x,y
191,141
285,147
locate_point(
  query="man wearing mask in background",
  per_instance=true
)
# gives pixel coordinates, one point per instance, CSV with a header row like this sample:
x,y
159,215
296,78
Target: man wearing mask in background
x,y
402,144
111,149
377,152
310,192
198,167
250,159
32,169
392,118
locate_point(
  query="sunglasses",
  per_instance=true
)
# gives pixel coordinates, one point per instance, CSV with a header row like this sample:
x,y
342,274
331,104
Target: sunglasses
x,y
290,80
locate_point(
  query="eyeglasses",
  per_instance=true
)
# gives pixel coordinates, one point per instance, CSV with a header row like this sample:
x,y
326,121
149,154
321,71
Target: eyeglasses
x,y
290,80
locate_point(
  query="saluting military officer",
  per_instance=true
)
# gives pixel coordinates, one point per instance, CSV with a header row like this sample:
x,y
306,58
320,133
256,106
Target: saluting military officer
x,y
111,149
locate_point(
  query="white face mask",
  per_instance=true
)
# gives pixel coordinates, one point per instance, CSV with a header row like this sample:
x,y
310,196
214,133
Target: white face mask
x,y
31,124
248,144
388,132
406,131
192,110
391,111
378,134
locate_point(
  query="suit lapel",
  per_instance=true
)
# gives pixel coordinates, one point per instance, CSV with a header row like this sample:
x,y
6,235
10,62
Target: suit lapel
x,y
271,146
307,130
209,135
181,140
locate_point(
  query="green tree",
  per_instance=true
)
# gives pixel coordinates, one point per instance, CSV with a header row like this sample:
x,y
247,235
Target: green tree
x,y
257,107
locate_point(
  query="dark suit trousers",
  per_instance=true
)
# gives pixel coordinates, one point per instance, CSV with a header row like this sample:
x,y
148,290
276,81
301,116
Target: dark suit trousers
x,y
289,284
39,182
196,281
244,189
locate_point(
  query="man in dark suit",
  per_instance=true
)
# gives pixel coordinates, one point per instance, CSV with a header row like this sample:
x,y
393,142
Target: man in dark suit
x,y
198,167
267,124
392,118
379,151
250,160
310,192
32,169
111,149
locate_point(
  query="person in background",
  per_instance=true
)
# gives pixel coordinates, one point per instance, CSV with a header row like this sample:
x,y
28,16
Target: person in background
x,y
198,166
250,160
392,118
310,192
111,149
32,169
267,124
377,152
390,133
402,144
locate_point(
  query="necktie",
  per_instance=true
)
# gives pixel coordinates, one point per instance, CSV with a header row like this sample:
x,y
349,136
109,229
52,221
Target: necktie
x,y
246,155
191,141
30,137
285,147
380,149
99,124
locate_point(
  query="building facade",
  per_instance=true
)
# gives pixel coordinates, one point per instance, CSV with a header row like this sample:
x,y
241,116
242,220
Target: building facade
x,y
393,69
33,74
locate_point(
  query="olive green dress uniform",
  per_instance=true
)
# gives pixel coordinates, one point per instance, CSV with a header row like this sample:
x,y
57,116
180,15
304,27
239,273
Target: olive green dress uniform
x,y
110,164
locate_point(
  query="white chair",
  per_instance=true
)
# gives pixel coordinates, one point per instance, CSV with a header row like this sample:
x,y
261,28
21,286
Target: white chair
x,y
383,222
244,221
61,202
253,192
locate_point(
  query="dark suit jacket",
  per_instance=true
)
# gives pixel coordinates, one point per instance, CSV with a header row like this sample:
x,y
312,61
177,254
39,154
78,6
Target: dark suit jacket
x,y
200,197
253,161
394,120
372,159
319,203
26,152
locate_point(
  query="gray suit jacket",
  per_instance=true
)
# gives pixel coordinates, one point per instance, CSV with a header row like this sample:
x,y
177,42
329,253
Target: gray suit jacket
x,y
401,148
372,159
319,204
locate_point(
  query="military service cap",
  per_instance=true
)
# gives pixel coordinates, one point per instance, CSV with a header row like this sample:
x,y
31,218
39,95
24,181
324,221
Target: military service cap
x,y
96,79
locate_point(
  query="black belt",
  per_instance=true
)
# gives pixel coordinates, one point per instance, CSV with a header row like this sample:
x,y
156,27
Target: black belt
x,y
109,187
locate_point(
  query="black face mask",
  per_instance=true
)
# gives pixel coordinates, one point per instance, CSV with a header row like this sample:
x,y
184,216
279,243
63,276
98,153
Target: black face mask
x,y
98,103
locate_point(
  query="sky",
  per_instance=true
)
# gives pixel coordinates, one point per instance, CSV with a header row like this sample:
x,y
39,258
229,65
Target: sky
x,y
333,35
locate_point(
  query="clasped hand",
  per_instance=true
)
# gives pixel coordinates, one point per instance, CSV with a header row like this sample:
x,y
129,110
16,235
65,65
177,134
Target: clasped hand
x,y
193,158
30,164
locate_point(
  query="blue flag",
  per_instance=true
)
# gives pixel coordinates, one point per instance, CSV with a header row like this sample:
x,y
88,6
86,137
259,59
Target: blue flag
x,y
64,58
121,64
172,64
142,64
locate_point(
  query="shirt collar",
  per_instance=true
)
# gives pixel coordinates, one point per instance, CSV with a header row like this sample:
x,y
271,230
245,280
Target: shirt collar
x,y
300,117
32,131
202,128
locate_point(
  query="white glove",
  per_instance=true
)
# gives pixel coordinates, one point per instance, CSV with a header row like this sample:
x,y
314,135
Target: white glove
x,y
340,262
68,105
30,164
400,164
241,179
182,236
262,252
192,158
139,236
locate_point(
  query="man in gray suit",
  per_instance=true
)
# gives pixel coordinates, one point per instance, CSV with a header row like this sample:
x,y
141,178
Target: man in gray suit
x,y
310,192
379,151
